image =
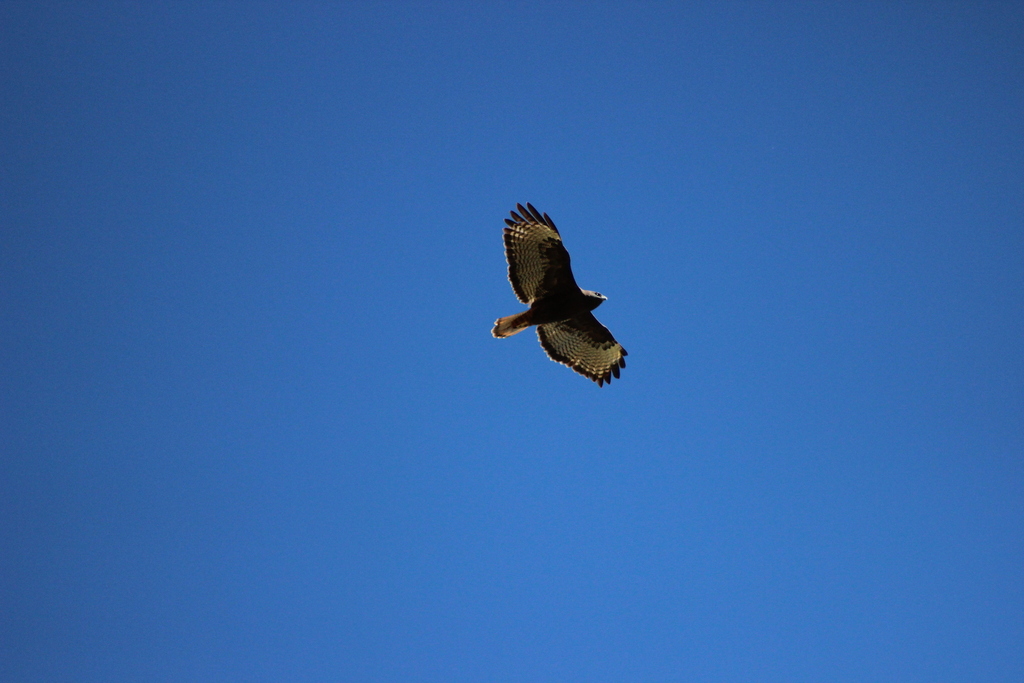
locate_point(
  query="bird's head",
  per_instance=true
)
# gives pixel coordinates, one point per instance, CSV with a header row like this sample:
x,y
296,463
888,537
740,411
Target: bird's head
x,y
595,295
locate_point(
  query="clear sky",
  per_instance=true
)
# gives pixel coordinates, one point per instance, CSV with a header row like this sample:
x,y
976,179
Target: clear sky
x,y
255,426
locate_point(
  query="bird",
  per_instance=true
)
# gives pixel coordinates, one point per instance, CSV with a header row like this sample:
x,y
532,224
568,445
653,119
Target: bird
x,y
539,271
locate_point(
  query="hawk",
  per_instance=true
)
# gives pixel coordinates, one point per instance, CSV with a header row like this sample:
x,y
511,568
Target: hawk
x,y
538,268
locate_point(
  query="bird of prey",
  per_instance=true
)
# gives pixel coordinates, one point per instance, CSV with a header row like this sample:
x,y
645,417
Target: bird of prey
x,y
538,268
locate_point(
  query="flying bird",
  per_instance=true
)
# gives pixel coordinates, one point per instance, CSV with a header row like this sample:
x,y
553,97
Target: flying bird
x,y
538,268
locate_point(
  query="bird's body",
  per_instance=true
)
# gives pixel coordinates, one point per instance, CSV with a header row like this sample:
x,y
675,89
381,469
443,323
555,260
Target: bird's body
x,y
550,309
541,276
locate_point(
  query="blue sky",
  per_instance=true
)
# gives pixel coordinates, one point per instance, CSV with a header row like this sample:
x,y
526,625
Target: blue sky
x,y
255,427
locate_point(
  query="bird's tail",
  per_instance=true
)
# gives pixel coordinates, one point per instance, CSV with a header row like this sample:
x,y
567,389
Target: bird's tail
x,y
509,325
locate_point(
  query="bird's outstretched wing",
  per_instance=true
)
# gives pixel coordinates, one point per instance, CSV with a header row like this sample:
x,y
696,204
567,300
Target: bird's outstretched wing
x,y
585,345
538,264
